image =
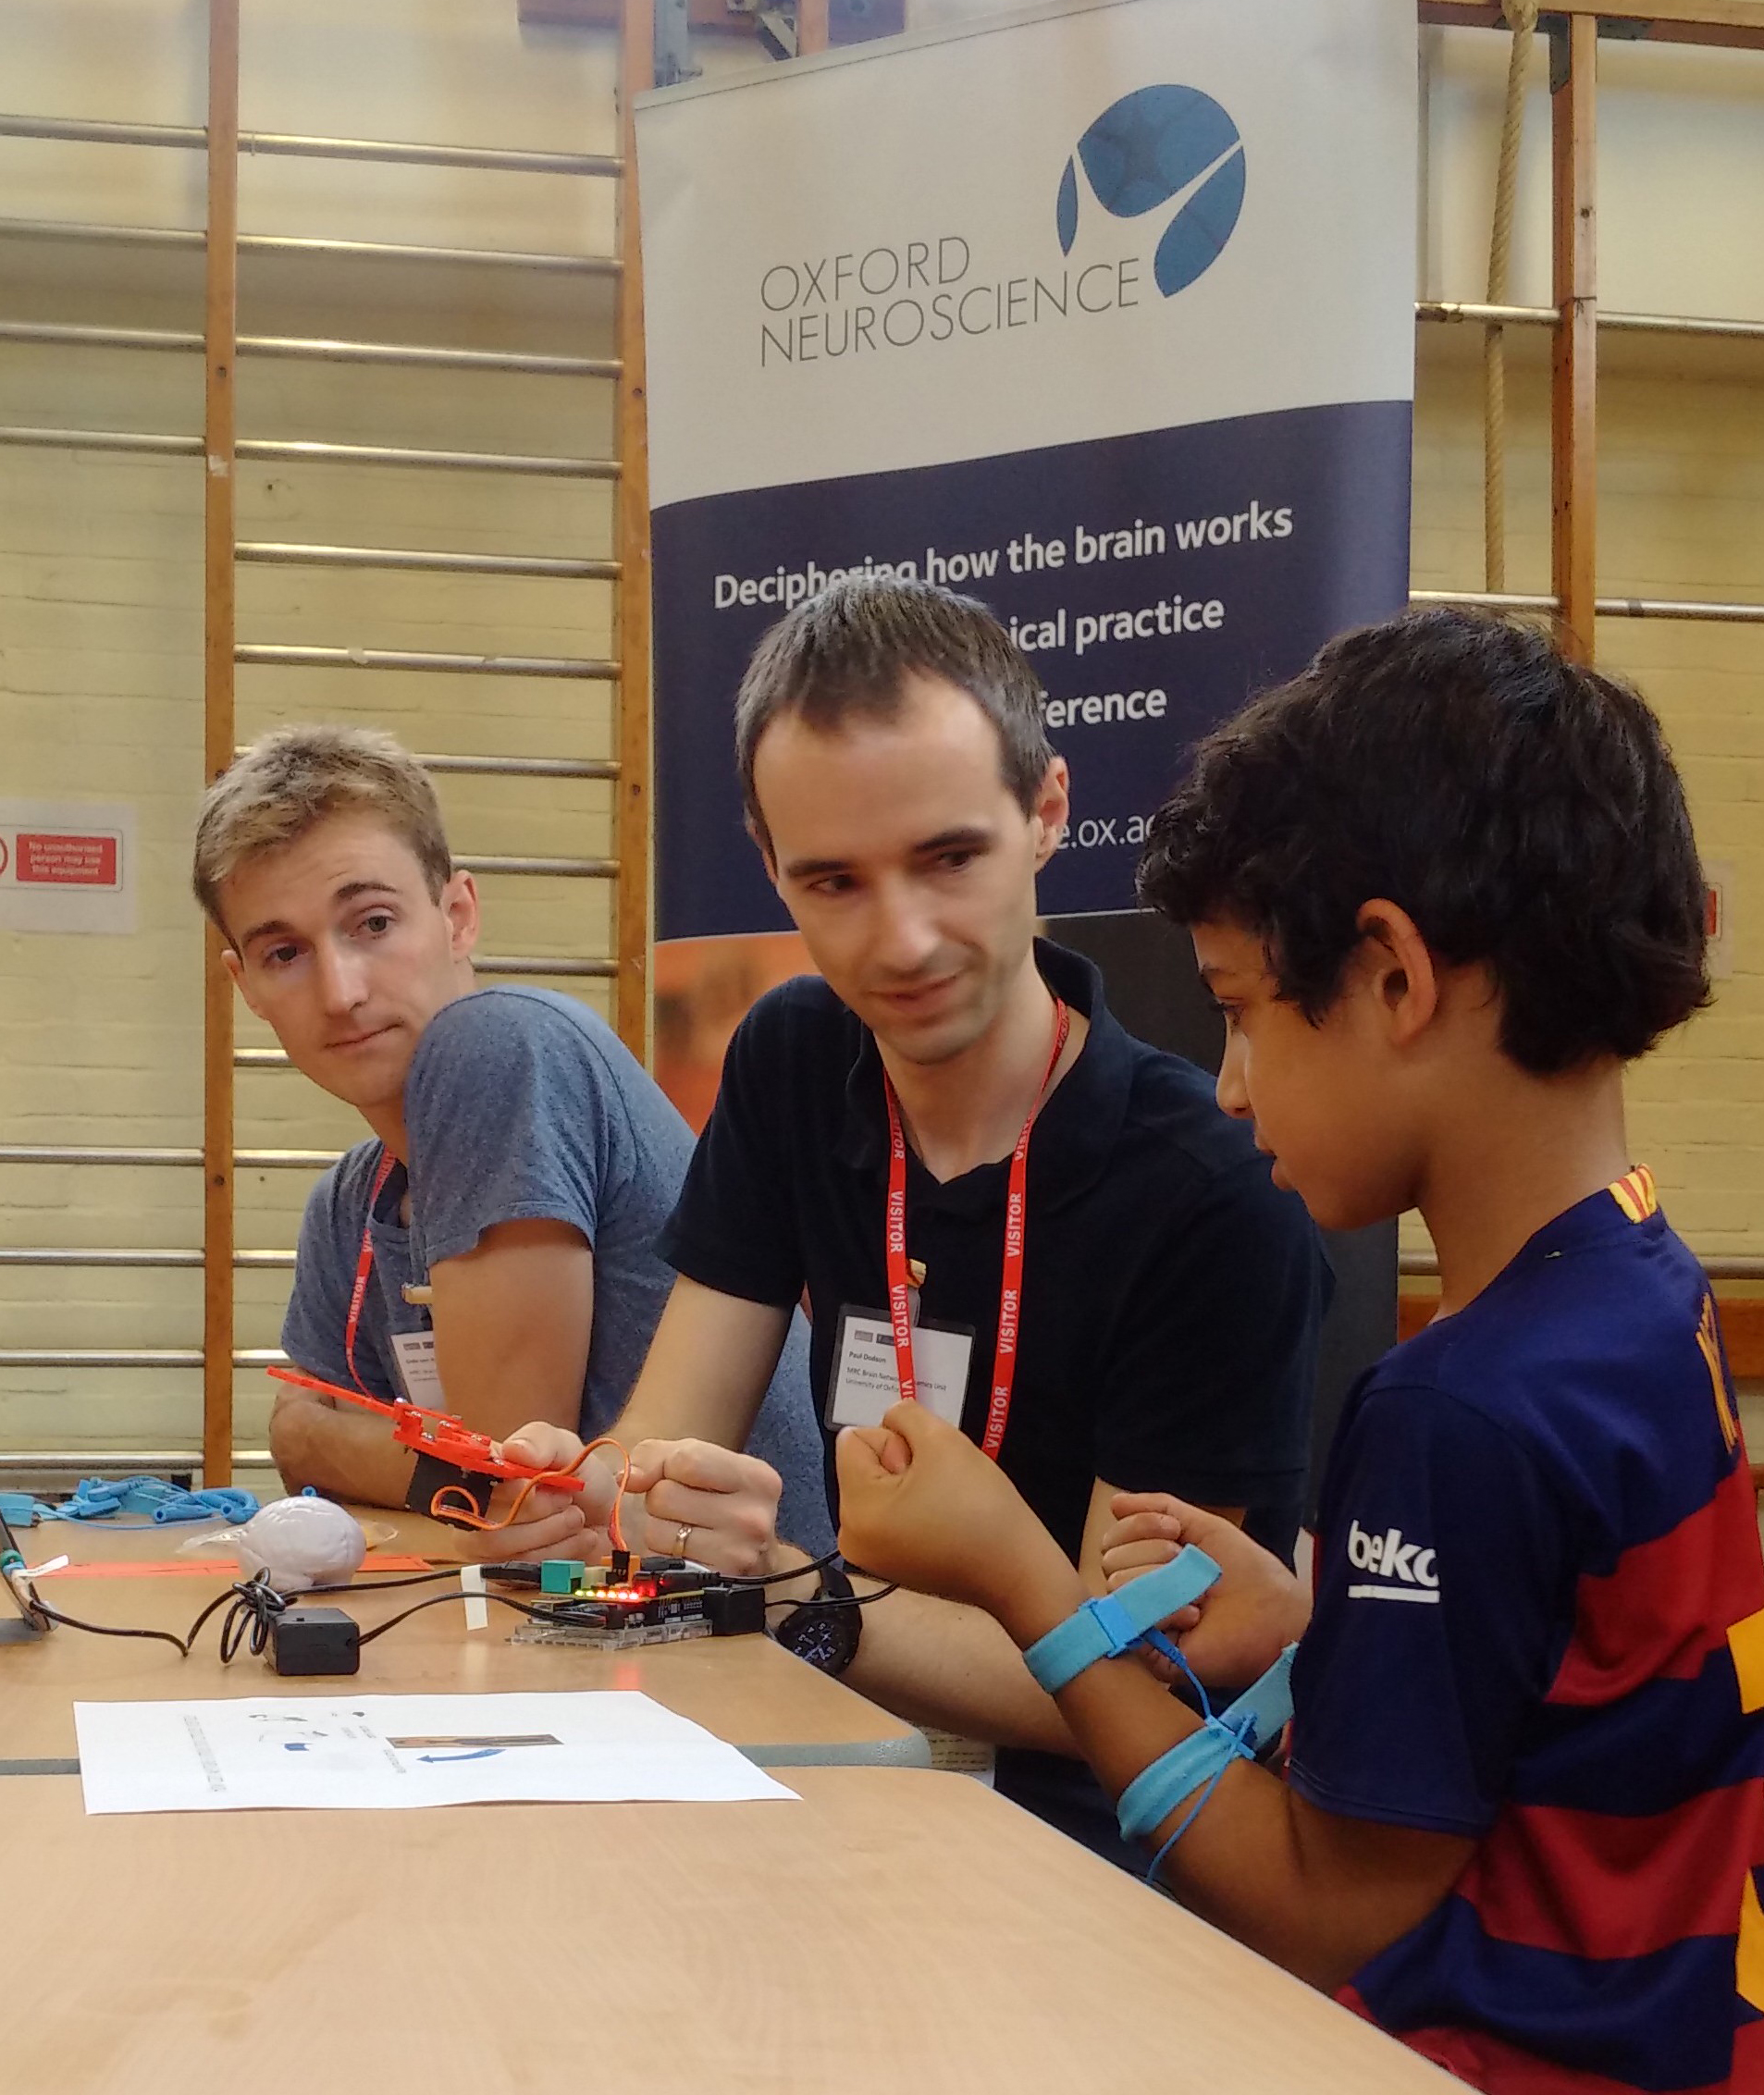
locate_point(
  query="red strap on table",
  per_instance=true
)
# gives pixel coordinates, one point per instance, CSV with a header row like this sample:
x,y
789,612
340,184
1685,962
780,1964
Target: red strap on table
x,y
1010,1296
363,1266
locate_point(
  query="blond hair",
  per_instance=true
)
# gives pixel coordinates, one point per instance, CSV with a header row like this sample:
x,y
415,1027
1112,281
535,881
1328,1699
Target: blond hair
x,y
294,777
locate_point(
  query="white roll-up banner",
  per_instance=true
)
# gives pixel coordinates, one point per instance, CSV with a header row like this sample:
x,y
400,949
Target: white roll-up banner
x,y
1102,315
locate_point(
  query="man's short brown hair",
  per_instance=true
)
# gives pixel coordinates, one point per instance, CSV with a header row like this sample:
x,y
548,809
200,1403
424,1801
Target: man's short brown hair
x,y
294,777
849,652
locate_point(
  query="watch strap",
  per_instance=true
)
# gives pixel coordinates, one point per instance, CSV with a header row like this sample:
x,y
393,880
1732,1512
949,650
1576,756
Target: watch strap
x,y
1235,1733
1114,1622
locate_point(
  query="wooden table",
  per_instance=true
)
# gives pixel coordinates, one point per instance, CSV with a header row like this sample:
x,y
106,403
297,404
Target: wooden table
x,y
896,1932
747,1690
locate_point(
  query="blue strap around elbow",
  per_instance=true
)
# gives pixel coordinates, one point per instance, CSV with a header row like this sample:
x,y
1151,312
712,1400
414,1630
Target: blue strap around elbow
x,y
1237,1732
1115,1622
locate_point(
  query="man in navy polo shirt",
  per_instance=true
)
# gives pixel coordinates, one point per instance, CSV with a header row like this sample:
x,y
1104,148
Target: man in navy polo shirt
x,y
879,1130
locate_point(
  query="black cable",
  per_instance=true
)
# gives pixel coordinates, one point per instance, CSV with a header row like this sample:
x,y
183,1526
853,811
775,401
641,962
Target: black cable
x,y
451,1599
385,1586
839,1599
778,1578
105,1629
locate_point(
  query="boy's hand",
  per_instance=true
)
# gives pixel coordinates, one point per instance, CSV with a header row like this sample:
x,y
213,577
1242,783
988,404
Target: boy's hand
x,y
920,1505
1246,1621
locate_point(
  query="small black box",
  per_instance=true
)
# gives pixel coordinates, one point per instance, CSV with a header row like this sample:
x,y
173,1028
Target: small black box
x,y
315,1640
735,1611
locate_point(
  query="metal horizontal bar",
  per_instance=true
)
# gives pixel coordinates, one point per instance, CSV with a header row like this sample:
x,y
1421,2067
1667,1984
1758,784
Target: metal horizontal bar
x,y
1691,608
1669,324
557,869
86,1461
313,349
69,1152
298,146
388,152
56,334
523,767
474,767
258,447
515,964
1679,607
1480,314
398,659
284,243
103,440
124,1357
130,1159
457,461
47,1255
258,553
1489,599
1486,315
1424,1265
261,1058
100,1357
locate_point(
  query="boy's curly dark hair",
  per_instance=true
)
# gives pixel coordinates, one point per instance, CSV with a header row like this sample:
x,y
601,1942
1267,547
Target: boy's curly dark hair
x,y
1521,807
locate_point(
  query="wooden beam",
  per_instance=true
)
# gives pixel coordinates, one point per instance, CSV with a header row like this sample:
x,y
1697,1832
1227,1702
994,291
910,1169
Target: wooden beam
x,y
1574,459
220,334
1735,23
637,72
811,27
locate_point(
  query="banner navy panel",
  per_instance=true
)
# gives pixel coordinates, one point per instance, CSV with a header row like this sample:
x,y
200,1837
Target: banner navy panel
x,y
1157,580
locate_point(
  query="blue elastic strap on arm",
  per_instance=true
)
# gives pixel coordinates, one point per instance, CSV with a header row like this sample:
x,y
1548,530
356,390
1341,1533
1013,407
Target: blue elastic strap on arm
x,y
1201,1759
1105,1627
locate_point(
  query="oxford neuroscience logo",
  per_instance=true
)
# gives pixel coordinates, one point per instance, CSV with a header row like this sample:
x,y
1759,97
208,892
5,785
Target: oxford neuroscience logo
x,y
1157,145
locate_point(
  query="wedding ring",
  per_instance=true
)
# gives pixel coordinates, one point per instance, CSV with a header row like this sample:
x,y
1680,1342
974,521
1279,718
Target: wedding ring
x,y
681,1540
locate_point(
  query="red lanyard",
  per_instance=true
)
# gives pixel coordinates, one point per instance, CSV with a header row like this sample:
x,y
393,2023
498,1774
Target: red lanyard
x,y
1010,1296
363,1266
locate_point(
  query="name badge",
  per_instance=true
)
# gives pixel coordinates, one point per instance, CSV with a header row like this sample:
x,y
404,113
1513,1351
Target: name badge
x,y
417,1370
866,1382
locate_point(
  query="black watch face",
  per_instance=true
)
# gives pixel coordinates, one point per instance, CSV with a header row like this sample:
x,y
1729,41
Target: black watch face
x,y
826,1637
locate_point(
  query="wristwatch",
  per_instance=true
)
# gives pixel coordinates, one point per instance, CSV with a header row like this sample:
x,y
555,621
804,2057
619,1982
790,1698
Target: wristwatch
x,y
825,1630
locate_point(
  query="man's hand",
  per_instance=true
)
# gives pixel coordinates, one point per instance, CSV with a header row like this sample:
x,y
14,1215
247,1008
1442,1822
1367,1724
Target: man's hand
x,y
728,1501
920,1505
709,1503
551,1523
1245,1621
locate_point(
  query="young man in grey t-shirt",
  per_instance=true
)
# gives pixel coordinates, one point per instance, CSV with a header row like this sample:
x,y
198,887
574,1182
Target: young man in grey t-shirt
x,y
521,1161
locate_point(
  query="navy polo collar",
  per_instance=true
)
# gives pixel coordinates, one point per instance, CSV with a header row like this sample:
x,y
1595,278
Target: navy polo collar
x,y
1079,1126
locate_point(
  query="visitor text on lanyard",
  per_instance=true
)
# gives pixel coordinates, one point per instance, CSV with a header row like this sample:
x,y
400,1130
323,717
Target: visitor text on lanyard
x,y
1010,1296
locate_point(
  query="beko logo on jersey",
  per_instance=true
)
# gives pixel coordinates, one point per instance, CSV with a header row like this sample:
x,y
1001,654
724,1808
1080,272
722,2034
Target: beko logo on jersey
x,y
1404,1570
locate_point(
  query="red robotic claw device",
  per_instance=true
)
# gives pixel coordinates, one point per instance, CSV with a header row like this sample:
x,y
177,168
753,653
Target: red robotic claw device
x,y
446,1438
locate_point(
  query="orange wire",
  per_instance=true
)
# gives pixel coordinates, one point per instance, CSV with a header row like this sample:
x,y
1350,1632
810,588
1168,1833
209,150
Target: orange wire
x,y
468,1515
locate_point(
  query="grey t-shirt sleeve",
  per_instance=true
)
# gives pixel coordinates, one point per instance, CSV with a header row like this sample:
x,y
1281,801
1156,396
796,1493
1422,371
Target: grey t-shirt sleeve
x,y
507,1122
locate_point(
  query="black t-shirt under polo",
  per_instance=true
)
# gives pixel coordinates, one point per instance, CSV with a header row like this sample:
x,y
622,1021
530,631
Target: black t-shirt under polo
x,y
1171,1294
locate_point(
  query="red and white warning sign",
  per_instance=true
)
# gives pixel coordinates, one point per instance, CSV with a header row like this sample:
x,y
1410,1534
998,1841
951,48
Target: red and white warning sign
x,y
67,865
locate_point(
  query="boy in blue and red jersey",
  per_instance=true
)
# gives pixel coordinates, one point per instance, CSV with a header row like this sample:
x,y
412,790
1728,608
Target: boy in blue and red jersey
x,y
1443,887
